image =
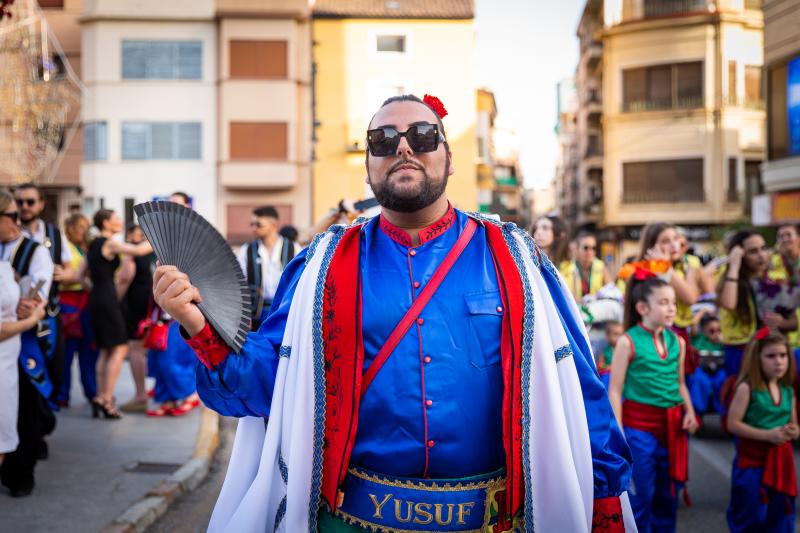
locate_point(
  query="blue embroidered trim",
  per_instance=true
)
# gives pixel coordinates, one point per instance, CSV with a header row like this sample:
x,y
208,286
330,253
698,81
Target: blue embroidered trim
x,y
563,352
283,468
285,351
528,319
280,513
319,380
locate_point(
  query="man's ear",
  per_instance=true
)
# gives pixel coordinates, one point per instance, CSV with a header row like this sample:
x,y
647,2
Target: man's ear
x,y
451,169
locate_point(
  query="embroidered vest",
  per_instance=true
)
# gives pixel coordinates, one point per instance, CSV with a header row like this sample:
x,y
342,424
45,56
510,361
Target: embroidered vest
x,y
652,376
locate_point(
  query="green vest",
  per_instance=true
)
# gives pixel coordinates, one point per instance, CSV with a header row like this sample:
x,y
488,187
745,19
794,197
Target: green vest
x,y
652,379
608,352
705,346
762,412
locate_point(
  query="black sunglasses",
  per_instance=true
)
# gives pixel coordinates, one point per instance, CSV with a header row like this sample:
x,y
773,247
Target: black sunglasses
x,y
13,216
30,202
421,138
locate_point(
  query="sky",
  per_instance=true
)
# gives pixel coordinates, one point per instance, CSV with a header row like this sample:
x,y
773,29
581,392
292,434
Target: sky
x,y
523,49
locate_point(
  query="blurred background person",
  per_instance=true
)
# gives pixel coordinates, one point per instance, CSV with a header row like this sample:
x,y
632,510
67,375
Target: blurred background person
x,y
136,279
108,319
77,325
748,299
585,274
784,268
34,418
550,233
263,259
31,204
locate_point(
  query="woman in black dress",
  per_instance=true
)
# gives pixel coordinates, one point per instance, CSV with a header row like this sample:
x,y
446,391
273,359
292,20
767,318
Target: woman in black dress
x,y
138,273
105,307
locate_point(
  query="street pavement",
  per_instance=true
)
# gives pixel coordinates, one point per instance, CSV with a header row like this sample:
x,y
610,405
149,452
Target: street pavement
x,y
711,455
85,483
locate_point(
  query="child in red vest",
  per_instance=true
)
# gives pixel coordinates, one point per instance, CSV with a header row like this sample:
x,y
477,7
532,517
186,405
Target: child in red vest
x,y
763,417
657,413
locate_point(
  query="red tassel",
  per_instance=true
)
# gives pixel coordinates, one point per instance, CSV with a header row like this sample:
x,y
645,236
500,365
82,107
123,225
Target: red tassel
x,y
686,499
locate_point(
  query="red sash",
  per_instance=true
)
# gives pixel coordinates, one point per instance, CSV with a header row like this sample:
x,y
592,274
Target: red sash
x,y
777,460
665,424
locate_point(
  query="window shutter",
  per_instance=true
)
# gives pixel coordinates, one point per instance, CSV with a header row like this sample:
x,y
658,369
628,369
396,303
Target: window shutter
x,y
189,140
190,60
163,140
135,140
134,60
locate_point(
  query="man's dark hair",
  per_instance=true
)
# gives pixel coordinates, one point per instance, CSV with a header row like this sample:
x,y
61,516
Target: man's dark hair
x,y
708,319
183,196
30,185
266,211
582,234
131,228
288,232
413,98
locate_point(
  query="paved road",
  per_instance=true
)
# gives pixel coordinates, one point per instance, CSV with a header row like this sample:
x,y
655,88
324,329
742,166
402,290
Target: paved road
x,y
84,484
711,455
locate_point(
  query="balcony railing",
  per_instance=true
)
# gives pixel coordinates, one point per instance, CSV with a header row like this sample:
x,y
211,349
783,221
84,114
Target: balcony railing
x,y
671,196
666,8
636,106
757,105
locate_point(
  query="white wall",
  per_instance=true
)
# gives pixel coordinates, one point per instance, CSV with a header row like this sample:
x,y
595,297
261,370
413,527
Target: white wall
x,y
111,99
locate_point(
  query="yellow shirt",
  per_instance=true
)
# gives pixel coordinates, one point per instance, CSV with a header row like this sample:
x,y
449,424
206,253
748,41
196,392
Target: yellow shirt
x,y
572,274
75,264
734,330
683,315
778,272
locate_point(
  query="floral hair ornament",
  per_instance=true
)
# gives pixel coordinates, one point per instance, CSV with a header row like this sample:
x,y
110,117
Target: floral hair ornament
x,y
762,334
436,105
641,274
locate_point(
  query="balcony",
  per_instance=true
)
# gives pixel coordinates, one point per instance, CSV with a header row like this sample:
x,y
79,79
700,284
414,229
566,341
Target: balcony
x,y
635,10
745,103
638,106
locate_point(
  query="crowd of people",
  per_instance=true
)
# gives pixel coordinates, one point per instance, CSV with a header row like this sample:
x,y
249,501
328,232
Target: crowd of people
x,y
675,339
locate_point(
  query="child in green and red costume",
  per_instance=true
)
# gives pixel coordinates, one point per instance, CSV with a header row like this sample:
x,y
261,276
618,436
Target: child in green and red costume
x,y
707,381
657,413
763,416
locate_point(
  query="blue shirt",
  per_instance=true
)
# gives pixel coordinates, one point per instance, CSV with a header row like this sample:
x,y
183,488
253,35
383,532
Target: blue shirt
x,y
434,409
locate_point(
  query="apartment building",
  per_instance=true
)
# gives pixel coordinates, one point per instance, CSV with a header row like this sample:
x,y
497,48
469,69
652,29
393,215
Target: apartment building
x,y
781,171
683,112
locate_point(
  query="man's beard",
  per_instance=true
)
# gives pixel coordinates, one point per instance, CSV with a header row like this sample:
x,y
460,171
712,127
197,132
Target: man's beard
x,y
26,220
390,198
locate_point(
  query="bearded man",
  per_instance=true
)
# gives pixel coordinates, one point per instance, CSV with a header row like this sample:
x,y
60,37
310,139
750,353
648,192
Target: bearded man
x,y
424,370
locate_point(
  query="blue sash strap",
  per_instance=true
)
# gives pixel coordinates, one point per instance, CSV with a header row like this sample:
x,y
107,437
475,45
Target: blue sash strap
x,y
388,504
32,361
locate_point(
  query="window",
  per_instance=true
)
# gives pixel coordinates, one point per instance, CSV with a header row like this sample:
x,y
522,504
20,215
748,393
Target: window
x,y
162,60
161,140
753,96
675,86
752,182
391,43
258,59
733,180
777,123
259,140
94,141
670,181
732,92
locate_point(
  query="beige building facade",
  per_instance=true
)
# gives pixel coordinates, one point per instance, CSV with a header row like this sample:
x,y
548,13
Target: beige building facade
x,y
781,203
683,111
265,112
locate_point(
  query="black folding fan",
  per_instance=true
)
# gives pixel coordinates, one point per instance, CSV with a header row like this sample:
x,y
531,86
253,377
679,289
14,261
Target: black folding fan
x,y
182,238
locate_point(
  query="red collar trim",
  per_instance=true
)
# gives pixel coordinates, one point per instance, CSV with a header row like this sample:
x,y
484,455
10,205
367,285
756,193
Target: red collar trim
x,y
426,234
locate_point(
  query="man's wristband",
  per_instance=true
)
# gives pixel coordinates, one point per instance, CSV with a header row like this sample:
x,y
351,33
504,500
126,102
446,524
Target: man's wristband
x,y
735,280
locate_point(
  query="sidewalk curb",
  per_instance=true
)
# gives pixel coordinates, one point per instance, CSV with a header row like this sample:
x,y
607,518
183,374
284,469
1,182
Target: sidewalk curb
x,y
143,513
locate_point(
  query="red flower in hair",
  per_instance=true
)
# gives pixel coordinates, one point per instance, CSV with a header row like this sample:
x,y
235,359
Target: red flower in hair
x,y
762,333
641,274
436,105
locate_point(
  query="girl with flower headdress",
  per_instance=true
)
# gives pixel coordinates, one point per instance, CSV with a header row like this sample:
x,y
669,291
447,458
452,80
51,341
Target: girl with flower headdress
x,y
657,413
763,417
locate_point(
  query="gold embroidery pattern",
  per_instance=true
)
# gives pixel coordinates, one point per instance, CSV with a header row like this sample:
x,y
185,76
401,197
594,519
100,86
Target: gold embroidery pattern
x,y
376,528
432,486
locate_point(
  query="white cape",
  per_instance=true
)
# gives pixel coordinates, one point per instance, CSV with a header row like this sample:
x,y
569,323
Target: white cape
x,y
274,475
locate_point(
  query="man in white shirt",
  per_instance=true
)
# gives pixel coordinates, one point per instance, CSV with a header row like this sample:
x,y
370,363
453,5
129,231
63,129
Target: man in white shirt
x,y
30,203
262,261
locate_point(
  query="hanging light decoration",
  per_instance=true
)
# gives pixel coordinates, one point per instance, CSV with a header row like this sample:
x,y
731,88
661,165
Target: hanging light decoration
x,y
39,94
